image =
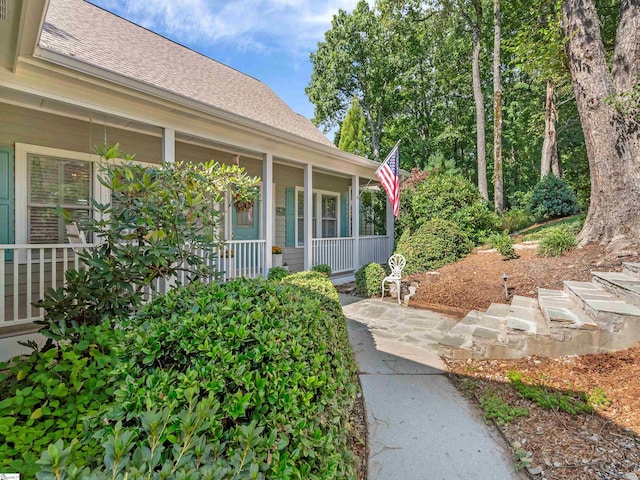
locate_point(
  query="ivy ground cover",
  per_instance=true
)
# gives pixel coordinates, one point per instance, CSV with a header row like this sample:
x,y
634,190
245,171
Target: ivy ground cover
x,y
251,379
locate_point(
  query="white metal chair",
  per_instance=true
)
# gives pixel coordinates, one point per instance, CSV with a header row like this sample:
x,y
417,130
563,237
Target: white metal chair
x,y
396,263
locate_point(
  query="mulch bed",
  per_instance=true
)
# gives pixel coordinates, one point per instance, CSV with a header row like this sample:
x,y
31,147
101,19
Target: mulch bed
x,y
555,445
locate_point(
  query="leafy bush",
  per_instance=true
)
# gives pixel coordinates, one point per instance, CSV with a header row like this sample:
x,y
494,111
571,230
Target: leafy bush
x,y
519,200
251,379
556,241
46,395
159,219
369,279
433,245
323,268
277,273
503,243
515,219
449,197
552,198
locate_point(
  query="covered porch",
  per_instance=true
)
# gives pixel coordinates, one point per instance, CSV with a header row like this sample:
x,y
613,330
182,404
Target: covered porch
x,y
311,206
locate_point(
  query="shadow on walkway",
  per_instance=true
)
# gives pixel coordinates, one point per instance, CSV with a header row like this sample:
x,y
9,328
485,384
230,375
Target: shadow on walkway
x,y
420,426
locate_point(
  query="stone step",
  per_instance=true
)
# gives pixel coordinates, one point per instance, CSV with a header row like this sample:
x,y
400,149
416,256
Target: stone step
x,y
621,284
461,335
497,310
609,311
559,309
524,316
632,269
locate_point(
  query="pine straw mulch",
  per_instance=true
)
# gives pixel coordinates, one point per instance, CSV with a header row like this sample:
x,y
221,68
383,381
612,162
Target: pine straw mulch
x,y
558,446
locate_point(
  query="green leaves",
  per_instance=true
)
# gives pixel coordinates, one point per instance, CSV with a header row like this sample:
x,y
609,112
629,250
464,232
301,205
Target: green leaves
x,y
162,223
257,381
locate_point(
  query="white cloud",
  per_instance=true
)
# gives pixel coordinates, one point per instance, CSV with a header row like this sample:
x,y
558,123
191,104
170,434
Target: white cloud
x,y
295,26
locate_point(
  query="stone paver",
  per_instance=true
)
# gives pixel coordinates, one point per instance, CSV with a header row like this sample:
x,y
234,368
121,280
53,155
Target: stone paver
x,y
420,427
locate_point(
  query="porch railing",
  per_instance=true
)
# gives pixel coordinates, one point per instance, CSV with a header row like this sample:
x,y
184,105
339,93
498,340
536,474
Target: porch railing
x,y
28,271
374,249
241,258
335,252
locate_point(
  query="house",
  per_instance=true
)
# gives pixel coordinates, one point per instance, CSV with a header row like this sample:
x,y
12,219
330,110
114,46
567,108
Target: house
x,y
73,75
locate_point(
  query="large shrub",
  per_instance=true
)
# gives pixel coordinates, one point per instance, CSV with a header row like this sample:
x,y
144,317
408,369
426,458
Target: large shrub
x,y
552,198
449,197
160,221
45,395
369,279
432,245
251,379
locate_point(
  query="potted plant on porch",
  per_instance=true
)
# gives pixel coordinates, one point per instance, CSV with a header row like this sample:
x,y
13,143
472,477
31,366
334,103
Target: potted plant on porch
x,y
276,253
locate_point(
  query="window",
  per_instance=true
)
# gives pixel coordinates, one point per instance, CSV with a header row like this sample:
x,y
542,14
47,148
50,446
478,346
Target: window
x,y
52,182
372,212
329,216
327,210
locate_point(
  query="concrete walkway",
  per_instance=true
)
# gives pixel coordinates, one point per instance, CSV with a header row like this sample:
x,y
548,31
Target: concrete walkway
x,y
420,427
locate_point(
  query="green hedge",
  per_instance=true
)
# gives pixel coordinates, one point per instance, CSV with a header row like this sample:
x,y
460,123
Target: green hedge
x,y
369,280
251,379
449,197
433,245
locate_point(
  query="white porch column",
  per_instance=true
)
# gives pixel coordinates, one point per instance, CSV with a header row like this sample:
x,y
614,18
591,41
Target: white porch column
x,y
267,209
308,217
168,145
390,224
355,220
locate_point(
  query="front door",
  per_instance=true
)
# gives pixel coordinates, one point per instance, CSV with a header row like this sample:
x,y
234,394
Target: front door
x,y
246,221
245,226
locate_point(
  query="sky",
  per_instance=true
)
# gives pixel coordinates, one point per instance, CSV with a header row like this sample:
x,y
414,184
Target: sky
x,y
267,39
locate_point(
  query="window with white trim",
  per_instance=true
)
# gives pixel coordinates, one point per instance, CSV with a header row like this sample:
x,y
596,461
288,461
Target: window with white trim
x,y
372,212
54,182
327,209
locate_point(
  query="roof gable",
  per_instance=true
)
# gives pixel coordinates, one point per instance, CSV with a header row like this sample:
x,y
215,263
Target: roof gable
x,y
94,36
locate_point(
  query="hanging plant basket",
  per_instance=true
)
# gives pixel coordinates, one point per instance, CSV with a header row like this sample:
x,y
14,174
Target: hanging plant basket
x,y
243,205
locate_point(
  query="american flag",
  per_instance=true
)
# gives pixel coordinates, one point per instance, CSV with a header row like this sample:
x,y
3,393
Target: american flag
x,y
388,175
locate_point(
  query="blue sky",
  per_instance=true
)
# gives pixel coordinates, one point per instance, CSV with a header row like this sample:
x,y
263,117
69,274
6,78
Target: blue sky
x,y
267,39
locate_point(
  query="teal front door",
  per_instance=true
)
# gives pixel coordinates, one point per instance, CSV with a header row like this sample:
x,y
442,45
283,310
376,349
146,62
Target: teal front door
x,y
6,199
246,222
246,227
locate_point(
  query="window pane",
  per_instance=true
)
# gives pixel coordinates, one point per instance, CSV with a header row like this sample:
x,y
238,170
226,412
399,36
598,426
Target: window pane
x,y
53,182
56,181
300,231
329,207
300,204
244,217
329,229
45,226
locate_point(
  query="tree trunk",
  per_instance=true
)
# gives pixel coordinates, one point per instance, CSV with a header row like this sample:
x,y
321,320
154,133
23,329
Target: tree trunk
x,y
498,194
479,101
612,138
549,161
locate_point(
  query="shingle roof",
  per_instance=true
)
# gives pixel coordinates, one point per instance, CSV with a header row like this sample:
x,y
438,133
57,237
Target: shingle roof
x,y
84,32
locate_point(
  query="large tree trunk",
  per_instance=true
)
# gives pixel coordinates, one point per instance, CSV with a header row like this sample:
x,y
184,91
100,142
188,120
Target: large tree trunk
x,y
549,161
479,101
612,138
498,194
